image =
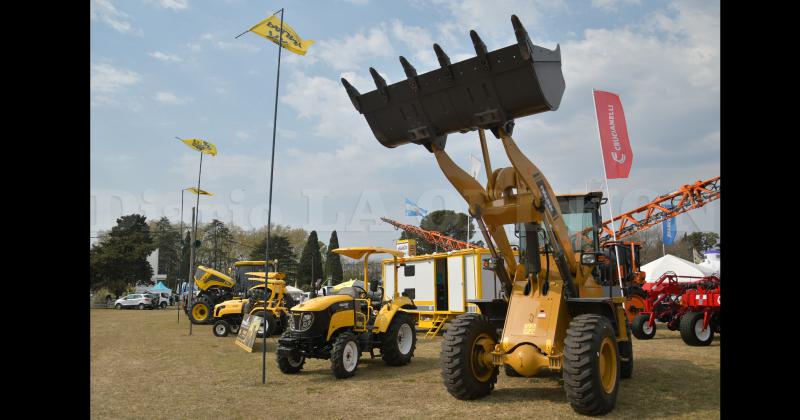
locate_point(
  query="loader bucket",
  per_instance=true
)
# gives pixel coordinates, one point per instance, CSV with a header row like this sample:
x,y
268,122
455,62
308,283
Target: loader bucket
x,y
486,91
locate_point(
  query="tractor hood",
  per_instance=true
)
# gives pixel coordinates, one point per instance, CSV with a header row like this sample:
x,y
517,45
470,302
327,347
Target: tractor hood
x,y
321,303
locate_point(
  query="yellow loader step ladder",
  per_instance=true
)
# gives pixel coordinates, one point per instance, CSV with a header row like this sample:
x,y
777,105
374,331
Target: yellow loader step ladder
x,y
438,323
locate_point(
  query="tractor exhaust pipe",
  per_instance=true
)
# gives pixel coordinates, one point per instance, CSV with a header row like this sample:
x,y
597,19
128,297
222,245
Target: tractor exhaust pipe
x,y
487,91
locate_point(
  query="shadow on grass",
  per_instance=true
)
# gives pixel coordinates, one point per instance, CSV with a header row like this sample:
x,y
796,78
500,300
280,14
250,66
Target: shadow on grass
x,y
376,369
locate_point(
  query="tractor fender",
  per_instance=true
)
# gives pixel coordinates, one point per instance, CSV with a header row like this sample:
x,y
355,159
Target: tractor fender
x,y
387,312
340,320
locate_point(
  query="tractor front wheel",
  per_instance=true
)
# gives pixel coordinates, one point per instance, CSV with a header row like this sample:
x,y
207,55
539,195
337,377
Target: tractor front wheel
x,y
345,355
591,365
399,341
290,364
221,328
466,361
692,331
641,327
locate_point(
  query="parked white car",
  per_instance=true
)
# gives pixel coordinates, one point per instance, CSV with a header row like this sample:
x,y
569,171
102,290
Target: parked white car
x,y
136,300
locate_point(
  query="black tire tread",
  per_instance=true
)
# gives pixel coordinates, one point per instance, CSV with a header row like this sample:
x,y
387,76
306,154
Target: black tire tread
x,y
581,379
637,327
337,357
687,330
283,361
390,353
456,373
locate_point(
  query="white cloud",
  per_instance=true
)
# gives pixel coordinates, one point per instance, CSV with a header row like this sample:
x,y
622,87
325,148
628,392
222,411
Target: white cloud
x,y
492,19
612,4
349,53
173,4
158,55
106,78
104,11
169,98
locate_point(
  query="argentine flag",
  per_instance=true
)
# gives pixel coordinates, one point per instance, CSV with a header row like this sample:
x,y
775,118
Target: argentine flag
x,y
414,210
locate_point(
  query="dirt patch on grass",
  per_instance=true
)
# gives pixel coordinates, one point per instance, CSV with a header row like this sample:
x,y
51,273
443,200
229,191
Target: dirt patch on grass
x,y
144,364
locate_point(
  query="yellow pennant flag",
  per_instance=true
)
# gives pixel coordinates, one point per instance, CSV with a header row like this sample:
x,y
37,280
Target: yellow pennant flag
x,y
194,190
201,146
270,28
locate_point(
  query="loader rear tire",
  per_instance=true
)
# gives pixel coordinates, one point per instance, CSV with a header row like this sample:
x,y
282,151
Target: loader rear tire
x,y
641,329
591,368
399,341
466,341
691,330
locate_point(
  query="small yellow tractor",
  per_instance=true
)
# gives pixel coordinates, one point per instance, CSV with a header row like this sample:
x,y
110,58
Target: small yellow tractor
x,y
215,287
555,315
343,325
229,314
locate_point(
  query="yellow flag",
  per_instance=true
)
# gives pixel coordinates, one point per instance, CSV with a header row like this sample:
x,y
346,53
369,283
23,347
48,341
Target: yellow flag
x,y
201,146
193,190
270,28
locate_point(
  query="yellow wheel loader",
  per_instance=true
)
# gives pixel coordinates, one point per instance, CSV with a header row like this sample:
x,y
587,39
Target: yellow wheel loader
x,y
556,316
215,287
349,322
228,315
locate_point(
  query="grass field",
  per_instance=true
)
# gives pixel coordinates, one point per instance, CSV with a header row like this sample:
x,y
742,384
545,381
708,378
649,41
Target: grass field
x,y
144,364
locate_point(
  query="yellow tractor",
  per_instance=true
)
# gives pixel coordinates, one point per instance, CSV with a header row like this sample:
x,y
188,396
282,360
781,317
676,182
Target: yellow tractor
x,y
228,315
556,317
215,287
349,322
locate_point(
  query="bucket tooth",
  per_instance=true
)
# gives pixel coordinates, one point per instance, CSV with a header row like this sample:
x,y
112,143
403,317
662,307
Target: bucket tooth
x,y
380,83
352,92
444,60
523,40
408,68
480,49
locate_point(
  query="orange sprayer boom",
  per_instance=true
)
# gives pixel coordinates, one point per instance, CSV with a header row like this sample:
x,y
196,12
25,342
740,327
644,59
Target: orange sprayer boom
x,y
665,207
445,242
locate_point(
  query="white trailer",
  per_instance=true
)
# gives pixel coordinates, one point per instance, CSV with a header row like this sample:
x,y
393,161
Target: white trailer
x,y
443,283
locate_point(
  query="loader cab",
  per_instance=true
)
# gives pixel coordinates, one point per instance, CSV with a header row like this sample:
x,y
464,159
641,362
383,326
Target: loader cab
x,y
581,213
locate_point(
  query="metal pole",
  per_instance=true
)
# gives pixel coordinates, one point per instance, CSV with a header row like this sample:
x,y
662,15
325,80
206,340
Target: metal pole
x,y
196,221
269,205
190,284
178,285
608,192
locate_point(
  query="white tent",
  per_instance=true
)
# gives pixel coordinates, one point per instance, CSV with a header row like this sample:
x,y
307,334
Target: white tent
x,y
654,269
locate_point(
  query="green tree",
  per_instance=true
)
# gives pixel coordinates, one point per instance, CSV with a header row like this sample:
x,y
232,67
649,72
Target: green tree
x,y
183,265
701,241
279,249
310,265
446,222
216,248
167,240
119,261
333,262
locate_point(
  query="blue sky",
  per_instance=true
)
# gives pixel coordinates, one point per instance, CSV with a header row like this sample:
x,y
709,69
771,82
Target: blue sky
x,y
166,68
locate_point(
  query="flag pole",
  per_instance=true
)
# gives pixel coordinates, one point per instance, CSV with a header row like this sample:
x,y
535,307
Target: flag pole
x,y
269,205
196,221
610,209
178,282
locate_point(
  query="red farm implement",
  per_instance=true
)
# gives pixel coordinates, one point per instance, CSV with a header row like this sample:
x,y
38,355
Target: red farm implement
x,y
669,299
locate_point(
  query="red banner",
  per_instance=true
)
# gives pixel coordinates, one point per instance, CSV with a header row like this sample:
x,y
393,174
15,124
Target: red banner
x,y
617,153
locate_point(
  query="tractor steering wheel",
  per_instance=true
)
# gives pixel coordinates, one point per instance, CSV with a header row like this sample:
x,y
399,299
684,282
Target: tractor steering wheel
x,y
362,294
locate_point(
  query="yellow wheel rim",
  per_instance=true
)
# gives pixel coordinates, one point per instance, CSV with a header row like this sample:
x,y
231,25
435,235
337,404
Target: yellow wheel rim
x,y
199,312
483,344
608,365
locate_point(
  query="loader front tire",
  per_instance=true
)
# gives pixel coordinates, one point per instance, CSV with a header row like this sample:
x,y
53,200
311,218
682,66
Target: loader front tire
x,y
626,356
692,332
641,327
591,368
465,371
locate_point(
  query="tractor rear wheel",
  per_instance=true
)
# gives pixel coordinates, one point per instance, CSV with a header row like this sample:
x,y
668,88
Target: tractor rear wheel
x,y
692,331
201,311
221,328
399,341
635,299
267,324
641,327
345,355
626,356
467,343
591,365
